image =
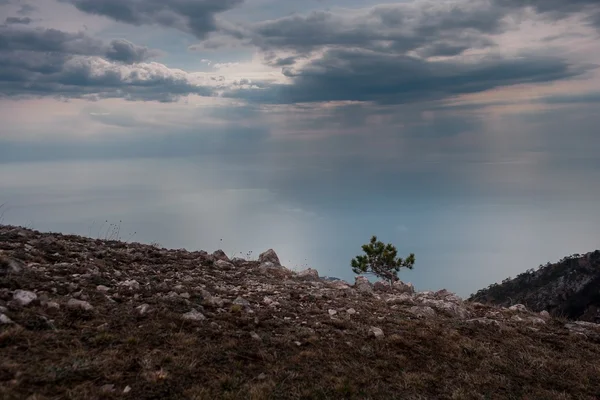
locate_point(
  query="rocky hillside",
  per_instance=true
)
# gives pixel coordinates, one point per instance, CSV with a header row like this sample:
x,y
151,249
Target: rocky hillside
x,y
91,319
569,288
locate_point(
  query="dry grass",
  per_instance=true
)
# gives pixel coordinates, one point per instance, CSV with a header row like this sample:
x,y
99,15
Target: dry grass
x,y
159,356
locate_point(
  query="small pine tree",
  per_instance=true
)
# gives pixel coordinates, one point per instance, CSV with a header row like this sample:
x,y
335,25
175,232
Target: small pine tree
x,y
381,259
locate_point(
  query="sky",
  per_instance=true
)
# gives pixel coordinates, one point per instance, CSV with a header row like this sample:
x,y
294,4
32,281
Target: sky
x,y
464,131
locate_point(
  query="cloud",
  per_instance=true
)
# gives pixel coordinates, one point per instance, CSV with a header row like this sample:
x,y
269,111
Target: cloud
x,y
400,53
52,40
26,9
358,75
196,17
94,78
558,9
18,20
398,28
582,98
50,62
127,52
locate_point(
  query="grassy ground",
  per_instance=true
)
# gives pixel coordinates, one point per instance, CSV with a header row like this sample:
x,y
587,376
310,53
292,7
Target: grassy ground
x,y
113,352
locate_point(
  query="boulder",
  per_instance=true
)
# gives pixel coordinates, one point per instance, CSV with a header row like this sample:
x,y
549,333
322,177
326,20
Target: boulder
x,y
269,256
518,307
376,332
340,285
130,284
24,297
220,255
545,315
401,287
224,265
4,320
363,285
75,304
308,274
450,308
402,298
422,311
242,302
143,309
193,315
382,286
10,266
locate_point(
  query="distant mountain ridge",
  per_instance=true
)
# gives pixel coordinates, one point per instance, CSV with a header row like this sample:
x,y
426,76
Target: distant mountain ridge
x,y
569,288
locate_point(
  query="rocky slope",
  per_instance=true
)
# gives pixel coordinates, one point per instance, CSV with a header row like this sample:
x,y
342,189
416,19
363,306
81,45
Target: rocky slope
x,y
90,319
569,288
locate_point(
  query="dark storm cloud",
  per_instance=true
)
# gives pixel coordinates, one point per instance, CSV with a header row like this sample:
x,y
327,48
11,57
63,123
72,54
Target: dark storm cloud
x,y
398,28
49,62
345,75
18,20
127,52
26,74
193,16
53,40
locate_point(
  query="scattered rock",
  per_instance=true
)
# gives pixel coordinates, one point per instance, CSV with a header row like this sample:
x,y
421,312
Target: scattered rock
x,y
107,388
582,325
377,332
545,315
131,284
518,307
261,377
309,274
340,285
220,256
381,286
143,309
446,307
332,312
402,298
10,266
537,320
363,285
255,336
194,315
351,311
422,311
210,300
4,320
402,287
240,301
102,288
52,306
517,318
224,265
75,304
127,389
269,256
485,321
24,297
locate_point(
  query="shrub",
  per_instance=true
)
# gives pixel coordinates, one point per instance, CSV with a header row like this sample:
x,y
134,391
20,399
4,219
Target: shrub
x,y
381,259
